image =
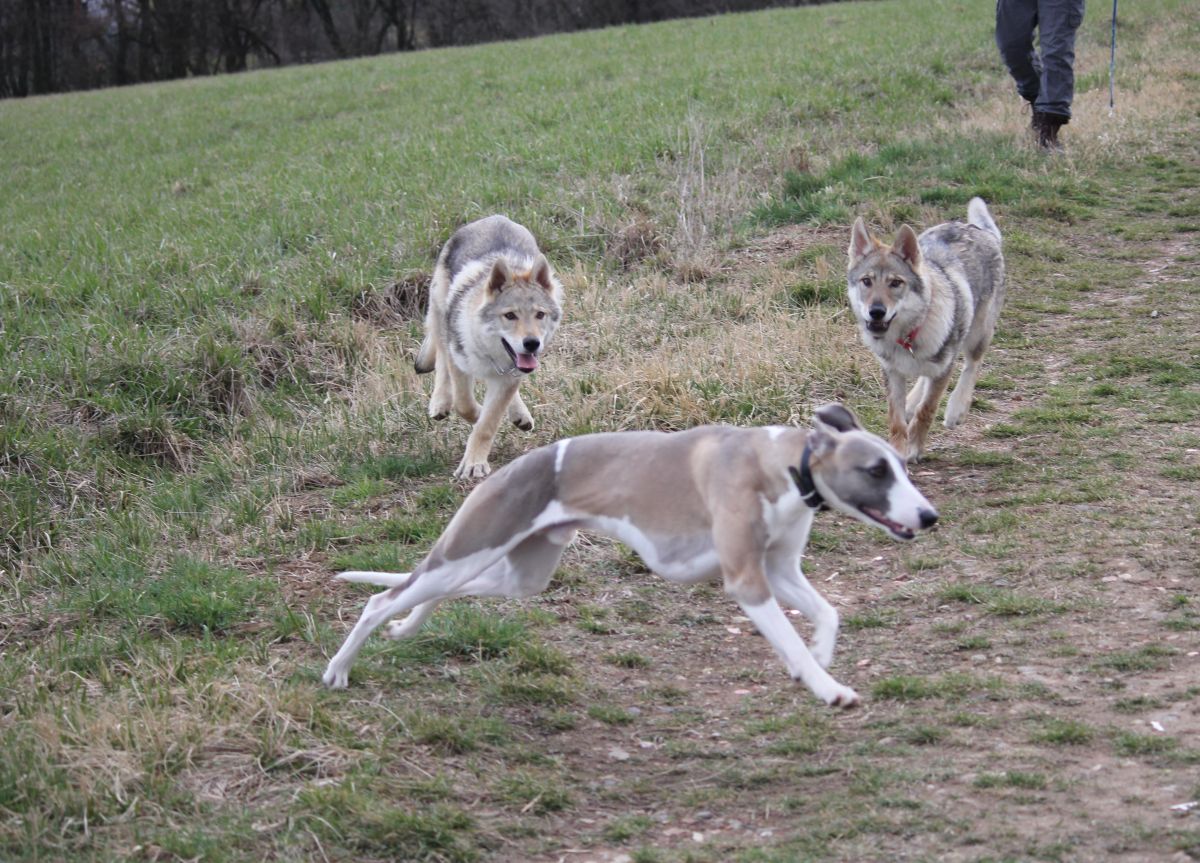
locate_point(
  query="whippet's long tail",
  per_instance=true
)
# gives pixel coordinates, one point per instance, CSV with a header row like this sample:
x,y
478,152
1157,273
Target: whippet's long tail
x,y
383,579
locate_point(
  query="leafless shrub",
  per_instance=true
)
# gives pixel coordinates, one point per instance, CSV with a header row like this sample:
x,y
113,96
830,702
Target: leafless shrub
x,y
635,242
402,300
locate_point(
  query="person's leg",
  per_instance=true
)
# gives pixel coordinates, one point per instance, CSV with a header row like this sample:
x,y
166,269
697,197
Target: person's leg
x,y
1058,20
1015,23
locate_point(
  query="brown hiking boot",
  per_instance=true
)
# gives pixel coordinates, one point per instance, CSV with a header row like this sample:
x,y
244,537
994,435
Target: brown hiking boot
x,y
1046,127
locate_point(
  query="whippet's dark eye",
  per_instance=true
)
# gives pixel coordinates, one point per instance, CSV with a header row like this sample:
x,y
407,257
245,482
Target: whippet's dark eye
x,y
510,316
878,470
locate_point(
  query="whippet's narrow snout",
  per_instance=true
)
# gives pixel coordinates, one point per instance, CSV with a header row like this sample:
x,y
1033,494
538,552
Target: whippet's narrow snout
x,y
928,518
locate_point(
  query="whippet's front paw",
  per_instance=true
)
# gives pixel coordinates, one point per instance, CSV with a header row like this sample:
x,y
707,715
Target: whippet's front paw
x,y
472,469
840,696
336,678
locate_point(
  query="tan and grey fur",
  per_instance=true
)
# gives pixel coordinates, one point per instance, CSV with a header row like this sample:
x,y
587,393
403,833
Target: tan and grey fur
x,y
712,502
494,304
920,302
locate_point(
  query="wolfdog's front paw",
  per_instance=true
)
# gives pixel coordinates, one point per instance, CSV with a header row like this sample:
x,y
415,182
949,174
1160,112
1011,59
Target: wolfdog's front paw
x,y
439,409
955,412
519,415
472,470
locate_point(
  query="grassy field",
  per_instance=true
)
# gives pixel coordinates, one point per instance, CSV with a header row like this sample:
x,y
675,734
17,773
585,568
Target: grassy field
x,y
209,297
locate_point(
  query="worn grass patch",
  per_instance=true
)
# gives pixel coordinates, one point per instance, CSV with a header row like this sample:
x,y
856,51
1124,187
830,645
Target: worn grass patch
x,y
999,601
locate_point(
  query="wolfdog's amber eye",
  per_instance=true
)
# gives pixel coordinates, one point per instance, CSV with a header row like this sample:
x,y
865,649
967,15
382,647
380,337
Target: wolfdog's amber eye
x,y
510,316
866,281
541,315
897,283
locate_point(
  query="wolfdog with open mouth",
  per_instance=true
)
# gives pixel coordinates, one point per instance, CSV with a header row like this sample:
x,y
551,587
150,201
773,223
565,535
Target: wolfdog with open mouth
x,y
494,304
921,302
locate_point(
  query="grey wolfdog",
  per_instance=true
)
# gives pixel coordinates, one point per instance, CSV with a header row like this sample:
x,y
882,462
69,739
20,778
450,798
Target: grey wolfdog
x,y
921,302
494,304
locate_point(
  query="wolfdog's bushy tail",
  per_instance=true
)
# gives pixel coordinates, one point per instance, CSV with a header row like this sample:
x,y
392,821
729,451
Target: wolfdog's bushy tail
x,y
978,215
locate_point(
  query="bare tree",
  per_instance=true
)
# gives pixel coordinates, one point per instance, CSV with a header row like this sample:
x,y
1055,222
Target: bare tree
x,y
53,45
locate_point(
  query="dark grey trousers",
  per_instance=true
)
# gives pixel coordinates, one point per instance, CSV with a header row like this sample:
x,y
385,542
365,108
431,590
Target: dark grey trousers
x,y
1048,80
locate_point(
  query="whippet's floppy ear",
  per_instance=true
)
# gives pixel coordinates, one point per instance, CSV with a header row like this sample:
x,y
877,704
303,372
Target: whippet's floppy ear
x,y
542,275
500,276
836,416
907,247
829,422
860,241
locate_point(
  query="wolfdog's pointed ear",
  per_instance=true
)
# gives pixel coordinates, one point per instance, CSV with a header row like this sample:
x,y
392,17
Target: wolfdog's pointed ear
x,y
907,247
836,416
541,274
499,277
860,241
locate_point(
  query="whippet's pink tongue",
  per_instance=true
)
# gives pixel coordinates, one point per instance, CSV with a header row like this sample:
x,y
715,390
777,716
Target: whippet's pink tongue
x,y
527,362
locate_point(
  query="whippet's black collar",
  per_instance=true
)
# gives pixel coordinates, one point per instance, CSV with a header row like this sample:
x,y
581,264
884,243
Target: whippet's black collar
x,y
804,482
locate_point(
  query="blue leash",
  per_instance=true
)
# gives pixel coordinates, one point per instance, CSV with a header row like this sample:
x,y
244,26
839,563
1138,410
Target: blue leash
x,y
1112,61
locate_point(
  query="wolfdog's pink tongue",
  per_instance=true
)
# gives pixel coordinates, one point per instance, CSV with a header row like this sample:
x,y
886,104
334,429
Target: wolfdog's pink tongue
x,y
527,362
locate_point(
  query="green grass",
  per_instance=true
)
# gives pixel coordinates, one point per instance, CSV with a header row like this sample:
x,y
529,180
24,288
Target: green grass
x,y
1011,779
949,686
455,734
627,827
189,596
1151,656
902,176
610,714
1063,732
364,822
1129,744
628,660
999,601
462,632
209,295
531,793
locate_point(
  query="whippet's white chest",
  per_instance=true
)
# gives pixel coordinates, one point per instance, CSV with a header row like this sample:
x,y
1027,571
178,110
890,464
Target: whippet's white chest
x,y
788,520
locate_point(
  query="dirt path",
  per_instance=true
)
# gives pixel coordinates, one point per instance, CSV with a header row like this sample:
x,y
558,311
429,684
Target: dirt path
x,y
1031,669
